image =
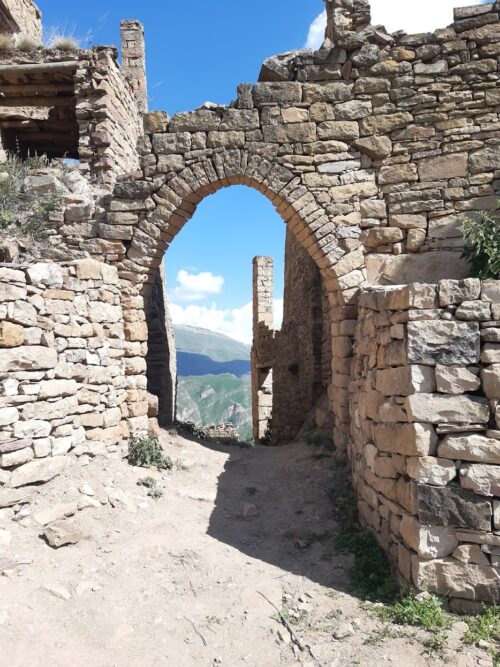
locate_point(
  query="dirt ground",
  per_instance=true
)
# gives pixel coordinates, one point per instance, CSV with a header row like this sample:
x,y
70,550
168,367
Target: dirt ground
x,y
195,577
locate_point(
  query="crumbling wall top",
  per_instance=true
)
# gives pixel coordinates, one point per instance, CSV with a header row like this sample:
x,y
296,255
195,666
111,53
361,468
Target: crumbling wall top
x,y
21,18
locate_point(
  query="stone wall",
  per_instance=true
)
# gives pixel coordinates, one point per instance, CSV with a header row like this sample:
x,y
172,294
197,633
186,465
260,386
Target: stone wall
x,y
425,399
22,18
62,368
109,120
295,360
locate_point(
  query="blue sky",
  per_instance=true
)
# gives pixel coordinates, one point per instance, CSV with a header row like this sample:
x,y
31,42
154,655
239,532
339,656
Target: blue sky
x,y
199,51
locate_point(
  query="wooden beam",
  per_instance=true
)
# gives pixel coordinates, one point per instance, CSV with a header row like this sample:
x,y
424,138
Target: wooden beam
x,y
34,88
29,68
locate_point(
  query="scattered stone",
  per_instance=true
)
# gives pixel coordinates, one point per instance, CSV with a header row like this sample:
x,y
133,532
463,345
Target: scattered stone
x,y
249,510
54,513
62,533
58,591
118,498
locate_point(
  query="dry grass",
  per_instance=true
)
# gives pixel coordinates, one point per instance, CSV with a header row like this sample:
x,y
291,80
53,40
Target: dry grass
x,y
62,43
6,42
27,44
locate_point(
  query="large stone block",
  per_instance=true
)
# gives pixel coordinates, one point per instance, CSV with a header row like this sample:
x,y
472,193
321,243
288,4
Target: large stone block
x,y
490,378
443,342
431,470
440,408
28,358
11,335
470,447
405,380
406,439
38,471
456,379
286,92
454,292
51,410
443,167
428,541
291,132
463,580
481,478
453,506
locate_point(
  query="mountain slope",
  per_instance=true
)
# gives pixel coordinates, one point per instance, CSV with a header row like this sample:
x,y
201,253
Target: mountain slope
x,y
212,344
213,378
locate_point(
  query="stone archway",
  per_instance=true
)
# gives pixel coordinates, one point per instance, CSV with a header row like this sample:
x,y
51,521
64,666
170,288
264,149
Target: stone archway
x,y
175,202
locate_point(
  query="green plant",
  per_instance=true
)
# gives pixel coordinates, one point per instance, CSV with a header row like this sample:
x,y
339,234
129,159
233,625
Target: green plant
x,y
148,482
23,212
420,611
370,575
482,244
145,451
485,627
155,494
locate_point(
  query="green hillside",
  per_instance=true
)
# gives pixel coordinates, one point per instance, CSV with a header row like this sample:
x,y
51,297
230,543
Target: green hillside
x,y
210,344
221,392
216,399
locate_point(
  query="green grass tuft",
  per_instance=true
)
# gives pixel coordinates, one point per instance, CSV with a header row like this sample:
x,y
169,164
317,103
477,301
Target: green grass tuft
x,y
423,612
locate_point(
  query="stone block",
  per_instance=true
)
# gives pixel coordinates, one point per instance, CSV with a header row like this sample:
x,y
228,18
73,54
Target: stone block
x,y
376,147
470,553
51,409
431,470
470,447
454,292
406,439
11,335
291,133
496,514
286,92
38,471
490,353
456,379
428,541
453,506
443,342
440,408
450,577
481,479
490,379
405,380
8,416
45,274
490,291
443,167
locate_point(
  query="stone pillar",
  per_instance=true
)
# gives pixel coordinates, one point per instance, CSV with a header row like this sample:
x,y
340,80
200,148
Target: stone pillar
x,y
161,356
134,60
262,374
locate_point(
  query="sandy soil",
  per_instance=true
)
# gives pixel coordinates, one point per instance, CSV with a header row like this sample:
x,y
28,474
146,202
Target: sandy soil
x,y
188,579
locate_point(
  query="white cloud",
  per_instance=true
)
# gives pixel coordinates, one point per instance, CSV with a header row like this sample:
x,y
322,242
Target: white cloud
x,y
316,33
196,286
234,322
415,17
407,15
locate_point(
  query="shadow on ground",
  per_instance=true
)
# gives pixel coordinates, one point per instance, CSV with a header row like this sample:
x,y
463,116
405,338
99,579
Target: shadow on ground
x,y
288,494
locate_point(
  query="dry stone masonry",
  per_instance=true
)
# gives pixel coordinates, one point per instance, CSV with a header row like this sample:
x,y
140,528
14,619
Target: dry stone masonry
x,y
426,431
371,150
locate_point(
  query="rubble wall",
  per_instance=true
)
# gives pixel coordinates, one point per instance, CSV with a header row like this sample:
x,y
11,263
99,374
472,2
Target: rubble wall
x,y
62,367
27,16
109,120
425,405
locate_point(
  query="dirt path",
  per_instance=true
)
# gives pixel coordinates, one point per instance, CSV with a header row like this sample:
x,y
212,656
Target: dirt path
x,y
188,579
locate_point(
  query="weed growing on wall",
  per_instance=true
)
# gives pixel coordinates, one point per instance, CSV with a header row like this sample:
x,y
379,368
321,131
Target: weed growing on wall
x,y
24,213
482,244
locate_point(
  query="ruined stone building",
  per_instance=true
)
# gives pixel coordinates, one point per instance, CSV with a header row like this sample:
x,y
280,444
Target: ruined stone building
x,y
371,150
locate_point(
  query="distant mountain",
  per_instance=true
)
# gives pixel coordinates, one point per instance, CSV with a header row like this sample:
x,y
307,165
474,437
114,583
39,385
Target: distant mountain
x,y
212,344
214,382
